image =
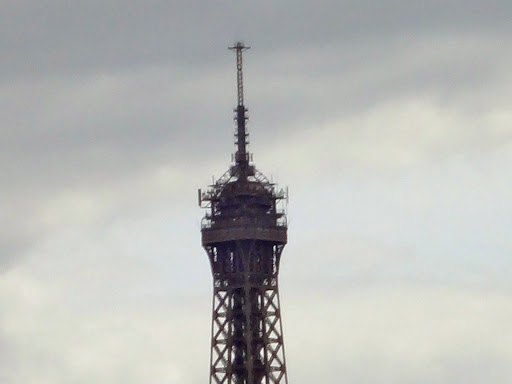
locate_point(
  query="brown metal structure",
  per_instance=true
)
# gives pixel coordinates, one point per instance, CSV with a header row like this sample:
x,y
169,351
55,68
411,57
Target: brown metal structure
x,y
244,232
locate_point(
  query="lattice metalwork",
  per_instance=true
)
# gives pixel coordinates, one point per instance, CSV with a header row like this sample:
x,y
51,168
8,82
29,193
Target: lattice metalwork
x,y
244,232
247,339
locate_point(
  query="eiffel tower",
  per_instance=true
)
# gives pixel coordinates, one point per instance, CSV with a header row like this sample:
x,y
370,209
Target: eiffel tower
x,y
244,232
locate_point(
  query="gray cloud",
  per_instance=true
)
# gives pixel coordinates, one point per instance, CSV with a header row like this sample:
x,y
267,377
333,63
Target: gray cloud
x,y
403,333
390,122
58,37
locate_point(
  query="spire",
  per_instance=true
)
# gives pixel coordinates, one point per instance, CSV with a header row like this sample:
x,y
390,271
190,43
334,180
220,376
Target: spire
x,y
241,155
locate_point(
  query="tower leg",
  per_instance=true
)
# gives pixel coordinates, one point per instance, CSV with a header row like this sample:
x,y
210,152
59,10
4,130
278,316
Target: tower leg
x,y
247,337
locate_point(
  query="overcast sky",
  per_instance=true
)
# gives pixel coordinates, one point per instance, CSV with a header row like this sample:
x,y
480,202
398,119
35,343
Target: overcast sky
x,y
391,123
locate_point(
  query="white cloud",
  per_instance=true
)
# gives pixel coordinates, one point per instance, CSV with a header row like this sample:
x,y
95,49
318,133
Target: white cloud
x,y
387,332
82,308
394,134
400,334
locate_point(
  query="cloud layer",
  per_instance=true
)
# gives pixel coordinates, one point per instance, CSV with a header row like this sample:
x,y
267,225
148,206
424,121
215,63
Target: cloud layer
x,y
389,122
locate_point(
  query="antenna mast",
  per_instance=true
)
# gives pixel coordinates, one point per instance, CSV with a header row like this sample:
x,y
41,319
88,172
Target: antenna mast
x,y
241,155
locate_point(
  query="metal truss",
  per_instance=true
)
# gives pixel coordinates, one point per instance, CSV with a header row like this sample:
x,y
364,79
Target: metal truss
x,y
247,338
244,232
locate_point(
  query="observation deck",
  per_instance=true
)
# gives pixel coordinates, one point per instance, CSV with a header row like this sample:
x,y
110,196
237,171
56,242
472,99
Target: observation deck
x,y
241,208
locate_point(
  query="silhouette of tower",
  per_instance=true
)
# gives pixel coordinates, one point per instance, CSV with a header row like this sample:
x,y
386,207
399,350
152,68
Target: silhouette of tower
x,y
244,232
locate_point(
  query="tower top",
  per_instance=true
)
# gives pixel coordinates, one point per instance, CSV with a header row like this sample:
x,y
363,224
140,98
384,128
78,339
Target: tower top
x,y
241,155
